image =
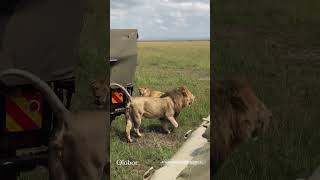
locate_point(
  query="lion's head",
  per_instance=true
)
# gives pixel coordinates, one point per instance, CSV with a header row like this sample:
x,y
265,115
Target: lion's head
x,y
143,91
100,92
238,116
181,97
188,97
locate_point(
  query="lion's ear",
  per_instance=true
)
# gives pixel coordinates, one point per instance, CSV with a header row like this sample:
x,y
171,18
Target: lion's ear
x,y
238,103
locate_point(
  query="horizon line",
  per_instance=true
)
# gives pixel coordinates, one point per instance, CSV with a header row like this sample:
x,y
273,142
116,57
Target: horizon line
x,y
176,39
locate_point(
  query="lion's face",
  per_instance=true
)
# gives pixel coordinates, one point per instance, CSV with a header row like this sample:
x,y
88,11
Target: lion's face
x,y
254,121
254,116
188,97
100,92
239,116
144,91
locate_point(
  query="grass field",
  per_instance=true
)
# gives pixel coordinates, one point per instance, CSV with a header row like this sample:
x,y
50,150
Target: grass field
x,y
276,46
163,66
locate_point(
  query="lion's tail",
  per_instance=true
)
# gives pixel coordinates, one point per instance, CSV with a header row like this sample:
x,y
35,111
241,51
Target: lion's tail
x,y
57,106
123,88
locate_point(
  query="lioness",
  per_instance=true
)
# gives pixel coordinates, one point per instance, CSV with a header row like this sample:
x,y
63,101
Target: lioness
x,y
238,116
146,92
78,147
165,108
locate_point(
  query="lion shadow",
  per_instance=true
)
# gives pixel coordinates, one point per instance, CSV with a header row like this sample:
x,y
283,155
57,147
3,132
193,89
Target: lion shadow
x,y
152,128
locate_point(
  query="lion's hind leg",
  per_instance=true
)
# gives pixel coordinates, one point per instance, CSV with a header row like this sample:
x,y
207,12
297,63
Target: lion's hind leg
x,y
137,122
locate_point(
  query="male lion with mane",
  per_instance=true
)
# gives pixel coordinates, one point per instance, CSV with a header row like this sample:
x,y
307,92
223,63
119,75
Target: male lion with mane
x,y
238,116
166,108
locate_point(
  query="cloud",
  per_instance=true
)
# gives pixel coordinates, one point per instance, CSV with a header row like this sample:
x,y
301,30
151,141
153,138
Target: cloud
x,y
189,7
123,4
163,19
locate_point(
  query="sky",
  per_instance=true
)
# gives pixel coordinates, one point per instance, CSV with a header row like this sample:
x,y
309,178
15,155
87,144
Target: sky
x,y
162,19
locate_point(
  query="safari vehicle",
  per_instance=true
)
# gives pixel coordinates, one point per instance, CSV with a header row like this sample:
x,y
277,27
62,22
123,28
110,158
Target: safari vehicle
x,y
26,120
123,61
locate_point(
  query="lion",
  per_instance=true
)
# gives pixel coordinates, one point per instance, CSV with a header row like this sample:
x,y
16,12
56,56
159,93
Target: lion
x,y
165,108
146,92
238,116
100,90
181,99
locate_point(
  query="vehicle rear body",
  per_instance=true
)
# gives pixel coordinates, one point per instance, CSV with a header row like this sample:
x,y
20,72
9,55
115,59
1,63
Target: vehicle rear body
x,y
25,125
123,61
28,41
26,122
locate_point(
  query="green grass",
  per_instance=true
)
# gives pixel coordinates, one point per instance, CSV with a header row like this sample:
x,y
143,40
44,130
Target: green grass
x,y
276,46
163,66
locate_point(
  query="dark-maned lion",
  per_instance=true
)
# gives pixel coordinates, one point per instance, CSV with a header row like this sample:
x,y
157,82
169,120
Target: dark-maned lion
x,y
238,116
180,98
165,108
